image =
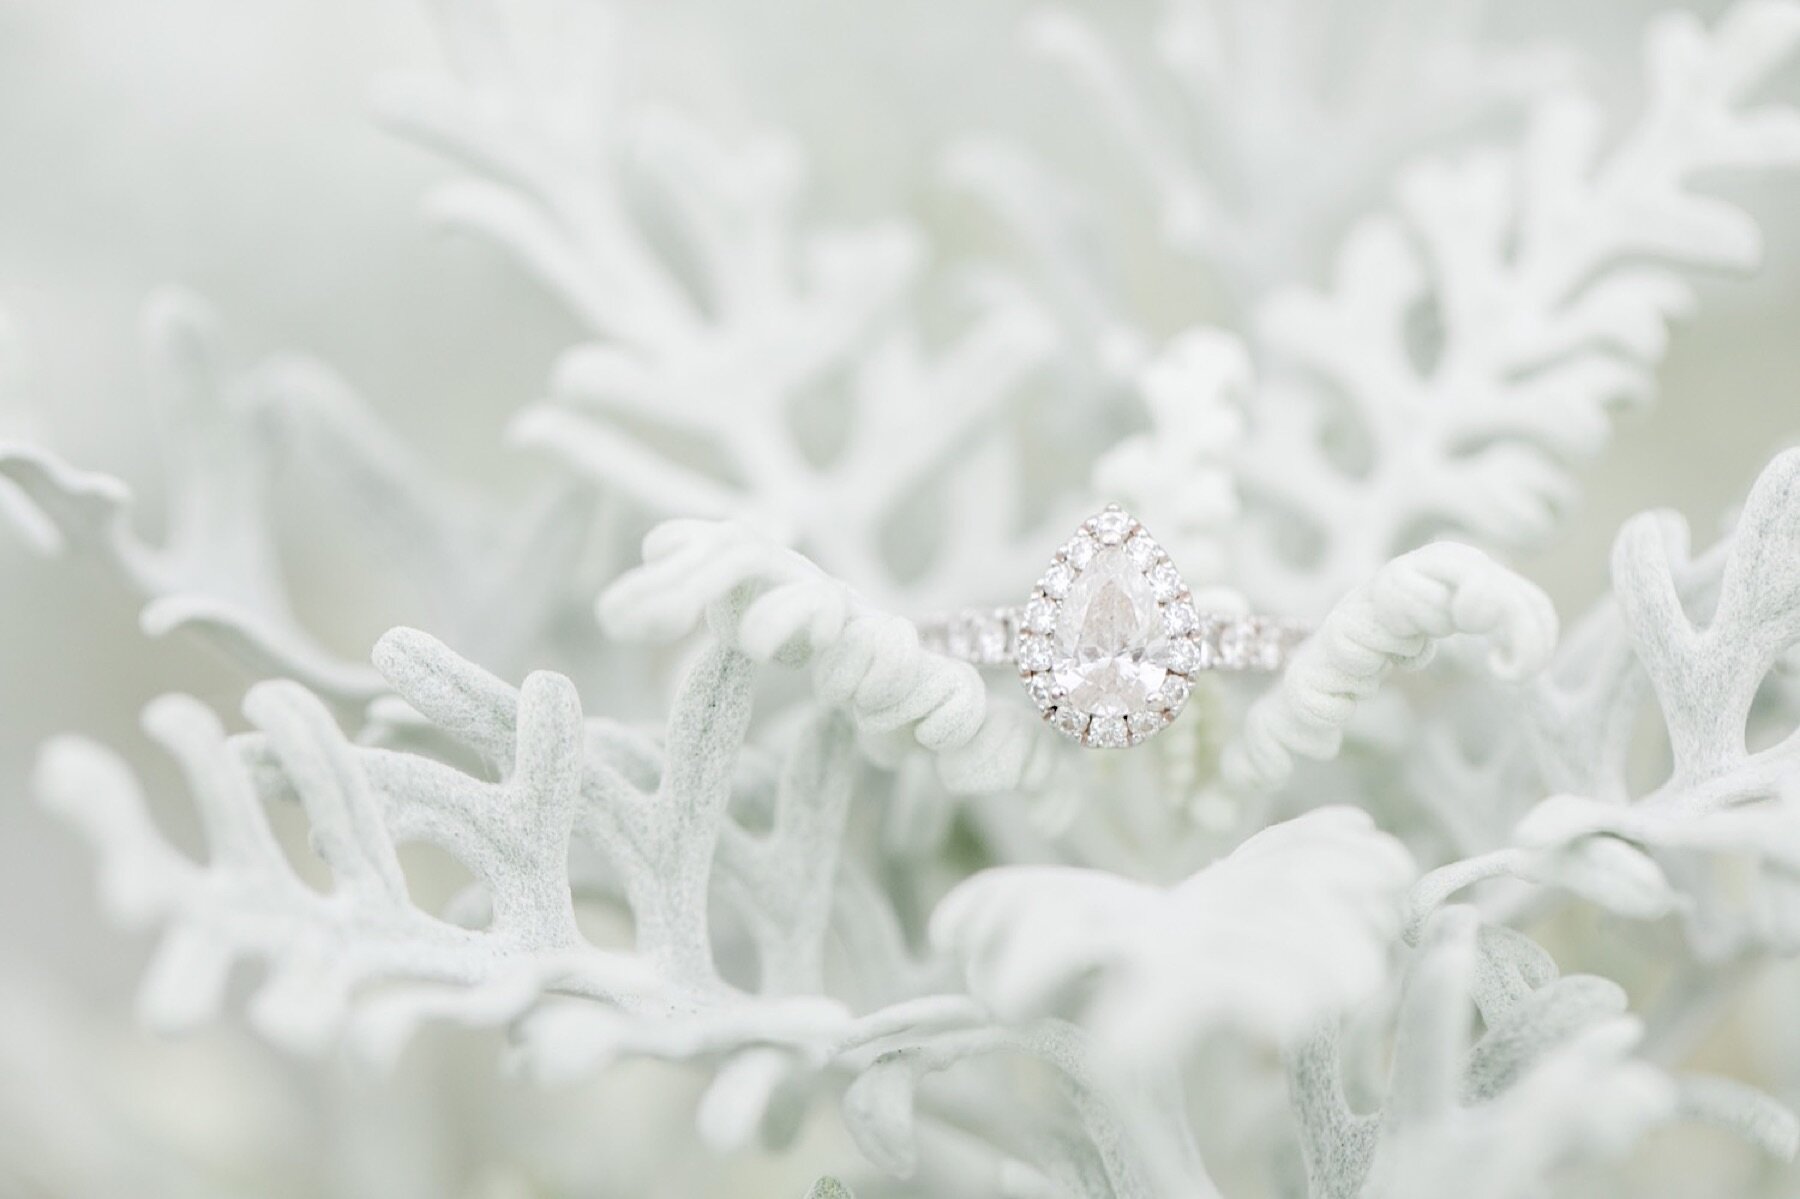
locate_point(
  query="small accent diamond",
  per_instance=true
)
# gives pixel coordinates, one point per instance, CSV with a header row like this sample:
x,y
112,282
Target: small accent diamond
x,y
976,637
1043,689
1069,721
1145,723
1184,655
1271,649
1108,732
1250,644
1034,652
1040,615
1166,580
1234,649
1206,642
1174,692
1141,550
989,636
1056,580
1111,526
1080,551
1180,618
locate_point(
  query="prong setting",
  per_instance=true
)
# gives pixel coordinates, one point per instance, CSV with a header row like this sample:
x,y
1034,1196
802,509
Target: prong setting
x,y
1112,636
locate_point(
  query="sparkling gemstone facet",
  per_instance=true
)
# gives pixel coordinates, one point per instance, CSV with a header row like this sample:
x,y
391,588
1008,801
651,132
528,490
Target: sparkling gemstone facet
x,y
1108,732
990,639
1111,526
1034,652
1183,654
1040,615
1108,646
1145,723
1108,649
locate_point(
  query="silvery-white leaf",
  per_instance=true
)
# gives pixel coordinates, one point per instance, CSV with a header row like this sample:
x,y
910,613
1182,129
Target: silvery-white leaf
x,y
1720,800
1396,618
1147,967
819,867
1529,259
868,662
878,1112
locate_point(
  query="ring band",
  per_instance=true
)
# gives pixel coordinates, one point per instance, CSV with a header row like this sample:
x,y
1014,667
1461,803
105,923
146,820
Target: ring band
x,y
1230,642
1110,640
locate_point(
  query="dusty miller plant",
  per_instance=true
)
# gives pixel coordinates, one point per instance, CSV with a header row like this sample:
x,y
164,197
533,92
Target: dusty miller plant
x,y
1297,949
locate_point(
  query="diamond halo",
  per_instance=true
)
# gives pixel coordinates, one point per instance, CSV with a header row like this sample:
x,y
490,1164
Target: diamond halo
x,y
1110,639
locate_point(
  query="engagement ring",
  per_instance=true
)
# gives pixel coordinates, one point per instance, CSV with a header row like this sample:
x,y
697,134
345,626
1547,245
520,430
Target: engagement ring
x,y
1110,640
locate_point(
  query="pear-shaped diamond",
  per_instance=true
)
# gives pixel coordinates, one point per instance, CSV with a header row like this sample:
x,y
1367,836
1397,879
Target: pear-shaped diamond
x,y
1105,641
1110,646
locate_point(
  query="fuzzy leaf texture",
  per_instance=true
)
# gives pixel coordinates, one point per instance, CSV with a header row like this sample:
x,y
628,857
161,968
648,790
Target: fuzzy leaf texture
x,y
1467,900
